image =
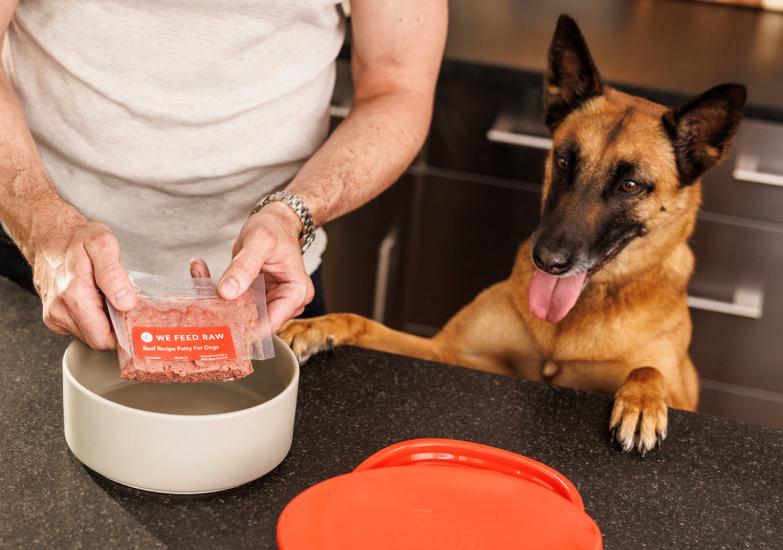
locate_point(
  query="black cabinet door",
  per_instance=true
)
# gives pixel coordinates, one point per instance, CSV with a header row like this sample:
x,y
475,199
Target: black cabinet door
x,y
480,130
464,236
355,252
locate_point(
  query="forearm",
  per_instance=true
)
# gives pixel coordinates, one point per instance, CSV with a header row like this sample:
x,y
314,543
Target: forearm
x,y
30,206
366,153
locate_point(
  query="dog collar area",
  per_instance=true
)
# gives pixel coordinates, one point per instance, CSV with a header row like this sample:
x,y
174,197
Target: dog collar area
x,y
440,493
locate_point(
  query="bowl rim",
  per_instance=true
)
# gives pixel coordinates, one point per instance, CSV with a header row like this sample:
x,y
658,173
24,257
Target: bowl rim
x,y
292,386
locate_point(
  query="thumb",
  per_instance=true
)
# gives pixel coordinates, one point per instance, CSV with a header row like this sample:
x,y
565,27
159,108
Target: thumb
x,y
241,273
110,277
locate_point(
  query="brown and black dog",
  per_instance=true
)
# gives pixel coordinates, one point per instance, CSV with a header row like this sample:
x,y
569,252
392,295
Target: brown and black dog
x,y
597,296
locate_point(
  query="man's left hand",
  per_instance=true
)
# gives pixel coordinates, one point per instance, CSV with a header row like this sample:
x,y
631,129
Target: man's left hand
x,y
269,244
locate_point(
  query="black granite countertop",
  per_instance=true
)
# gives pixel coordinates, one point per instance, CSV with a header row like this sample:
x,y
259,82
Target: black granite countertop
x,y
714,484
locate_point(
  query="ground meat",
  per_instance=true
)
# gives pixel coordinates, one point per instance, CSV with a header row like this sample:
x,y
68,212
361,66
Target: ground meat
x,y
241,315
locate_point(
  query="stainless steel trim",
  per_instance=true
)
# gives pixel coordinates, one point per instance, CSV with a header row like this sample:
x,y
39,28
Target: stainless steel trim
x,y
740,222
748,302
382,275
502,132
339,111
744,391
747,169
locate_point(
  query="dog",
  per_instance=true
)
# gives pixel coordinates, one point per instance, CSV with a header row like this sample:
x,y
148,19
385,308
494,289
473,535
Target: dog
x,y
597,296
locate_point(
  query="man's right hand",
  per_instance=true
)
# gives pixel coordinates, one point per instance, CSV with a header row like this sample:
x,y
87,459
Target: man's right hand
x,y
73,258
70,271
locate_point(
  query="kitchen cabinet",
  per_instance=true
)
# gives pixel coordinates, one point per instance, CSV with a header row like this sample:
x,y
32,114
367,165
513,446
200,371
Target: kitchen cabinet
x,y
749,182
361,260
464,238
469,214
473,196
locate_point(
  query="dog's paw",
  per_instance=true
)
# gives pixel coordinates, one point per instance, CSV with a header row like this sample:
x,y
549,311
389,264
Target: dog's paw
x,y
639,419
306,337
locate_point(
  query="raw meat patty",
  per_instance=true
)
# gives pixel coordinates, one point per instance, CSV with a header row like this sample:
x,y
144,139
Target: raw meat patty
x,y
240,315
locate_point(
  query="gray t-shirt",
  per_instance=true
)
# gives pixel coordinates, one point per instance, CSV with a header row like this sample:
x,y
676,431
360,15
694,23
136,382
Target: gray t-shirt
x,y
167,119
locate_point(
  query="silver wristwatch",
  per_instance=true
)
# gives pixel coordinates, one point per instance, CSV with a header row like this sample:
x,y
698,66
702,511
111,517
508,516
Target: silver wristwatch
x,y
307,236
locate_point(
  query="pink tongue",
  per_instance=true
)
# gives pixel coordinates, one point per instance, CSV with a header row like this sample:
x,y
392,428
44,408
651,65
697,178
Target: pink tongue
x,y
551,298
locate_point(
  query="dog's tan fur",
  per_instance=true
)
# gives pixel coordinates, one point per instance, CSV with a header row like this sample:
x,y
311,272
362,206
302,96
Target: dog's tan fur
x,y
629,332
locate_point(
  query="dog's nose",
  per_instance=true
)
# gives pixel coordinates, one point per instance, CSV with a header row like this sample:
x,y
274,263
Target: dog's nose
x,y
555,262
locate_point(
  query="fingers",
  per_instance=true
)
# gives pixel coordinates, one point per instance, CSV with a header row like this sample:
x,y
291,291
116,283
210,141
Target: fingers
x,y
85,308
58,319
287,301
86,327
244,268
72,303
199,269
267,246
84,304
104,253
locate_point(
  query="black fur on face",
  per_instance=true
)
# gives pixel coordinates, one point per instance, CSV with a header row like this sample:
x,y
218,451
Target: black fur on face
x,y
701,130
571,77
588,218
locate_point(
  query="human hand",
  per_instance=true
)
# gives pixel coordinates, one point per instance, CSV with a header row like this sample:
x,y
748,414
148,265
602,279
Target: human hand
x,y
73,263
269,244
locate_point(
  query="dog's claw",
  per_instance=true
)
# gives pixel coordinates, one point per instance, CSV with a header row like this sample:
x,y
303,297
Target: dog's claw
x,y
307,337
638,424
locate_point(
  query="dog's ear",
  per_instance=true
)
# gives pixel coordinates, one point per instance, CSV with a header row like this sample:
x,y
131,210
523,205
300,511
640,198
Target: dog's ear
x,y
701,129
571,77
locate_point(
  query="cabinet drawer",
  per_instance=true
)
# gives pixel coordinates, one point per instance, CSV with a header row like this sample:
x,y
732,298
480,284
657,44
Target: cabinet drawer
x,y
740,403
484,132
737,304
749,182
504,136
465,238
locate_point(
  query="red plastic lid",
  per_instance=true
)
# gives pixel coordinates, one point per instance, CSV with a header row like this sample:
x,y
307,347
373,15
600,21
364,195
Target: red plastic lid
x,y
440,494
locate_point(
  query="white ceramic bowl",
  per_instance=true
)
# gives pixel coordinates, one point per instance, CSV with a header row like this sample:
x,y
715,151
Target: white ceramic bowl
x,y
185,441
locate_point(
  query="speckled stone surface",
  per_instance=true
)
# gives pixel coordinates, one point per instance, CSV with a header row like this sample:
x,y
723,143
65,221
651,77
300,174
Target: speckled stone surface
x,y
714,484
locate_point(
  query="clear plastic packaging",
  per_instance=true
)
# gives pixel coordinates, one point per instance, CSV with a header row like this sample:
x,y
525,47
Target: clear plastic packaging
x,y
182,331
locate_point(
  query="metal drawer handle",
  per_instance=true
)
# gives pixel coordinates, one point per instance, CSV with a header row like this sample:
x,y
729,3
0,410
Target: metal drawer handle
x,y
339,111
502,132
747,169
748,302
383,274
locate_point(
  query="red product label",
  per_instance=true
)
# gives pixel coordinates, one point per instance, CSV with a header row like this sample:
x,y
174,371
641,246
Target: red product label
x,y
184,343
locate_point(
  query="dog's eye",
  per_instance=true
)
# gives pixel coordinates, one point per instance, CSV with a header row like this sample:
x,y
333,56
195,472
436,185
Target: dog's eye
x,y
630,187
562,163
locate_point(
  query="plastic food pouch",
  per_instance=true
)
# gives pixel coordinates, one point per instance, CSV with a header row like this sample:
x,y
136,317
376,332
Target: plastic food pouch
x,y
182,331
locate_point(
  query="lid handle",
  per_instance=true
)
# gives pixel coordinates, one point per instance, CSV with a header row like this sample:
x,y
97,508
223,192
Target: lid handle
x,y
452,452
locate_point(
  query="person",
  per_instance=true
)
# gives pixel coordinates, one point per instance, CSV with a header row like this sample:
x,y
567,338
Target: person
x,y
138,135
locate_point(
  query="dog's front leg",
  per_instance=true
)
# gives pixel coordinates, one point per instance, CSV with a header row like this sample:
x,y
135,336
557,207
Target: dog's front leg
x,y
640,414
306,337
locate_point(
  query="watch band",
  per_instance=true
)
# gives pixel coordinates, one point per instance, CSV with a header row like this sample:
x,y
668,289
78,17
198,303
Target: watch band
x,y
307,236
